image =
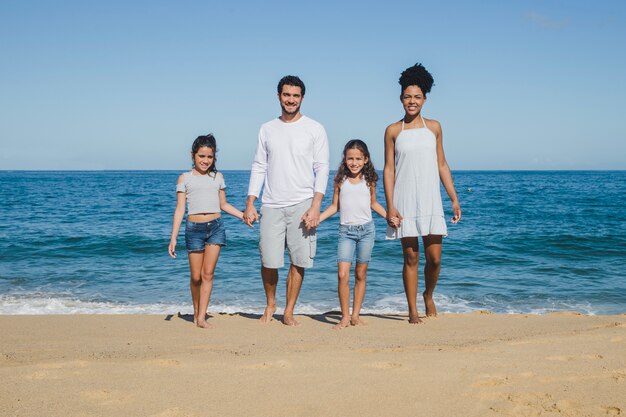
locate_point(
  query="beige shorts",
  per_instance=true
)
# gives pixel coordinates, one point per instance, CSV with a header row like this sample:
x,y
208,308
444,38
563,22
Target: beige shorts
x,y
282,228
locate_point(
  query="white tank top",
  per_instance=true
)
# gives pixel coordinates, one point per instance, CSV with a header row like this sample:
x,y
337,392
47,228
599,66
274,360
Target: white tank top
x,y
354,203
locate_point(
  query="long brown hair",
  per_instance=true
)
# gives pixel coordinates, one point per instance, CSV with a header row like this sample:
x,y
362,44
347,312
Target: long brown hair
x,y
368,171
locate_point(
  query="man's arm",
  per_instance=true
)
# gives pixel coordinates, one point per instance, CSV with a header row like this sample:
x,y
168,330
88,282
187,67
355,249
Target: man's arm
x,y
321,162
321,168
257,177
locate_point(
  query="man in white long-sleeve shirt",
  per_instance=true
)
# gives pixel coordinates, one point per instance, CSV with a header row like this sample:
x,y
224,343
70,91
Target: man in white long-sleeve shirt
x,y
291,160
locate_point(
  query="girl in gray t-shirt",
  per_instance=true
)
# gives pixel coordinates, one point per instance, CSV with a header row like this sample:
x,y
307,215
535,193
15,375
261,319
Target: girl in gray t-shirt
x,y
202,191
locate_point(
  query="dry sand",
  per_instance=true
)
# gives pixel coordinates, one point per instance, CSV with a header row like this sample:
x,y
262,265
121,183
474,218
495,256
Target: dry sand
x,y
476,364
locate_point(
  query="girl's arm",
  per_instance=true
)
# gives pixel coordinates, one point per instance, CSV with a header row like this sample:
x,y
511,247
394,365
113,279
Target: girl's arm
x,y
227,208
444,172
375,205
389,177
334,206
179,213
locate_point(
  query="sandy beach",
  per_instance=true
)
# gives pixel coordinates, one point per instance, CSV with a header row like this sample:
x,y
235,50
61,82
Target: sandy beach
x,y
479,364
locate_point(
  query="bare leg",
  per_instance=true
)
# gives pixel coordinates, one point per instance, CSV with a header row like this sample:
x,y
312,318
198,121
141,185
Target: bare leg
x,y
195,281
270,280
343,288
410,250
432,252
211,255
294,282
360,276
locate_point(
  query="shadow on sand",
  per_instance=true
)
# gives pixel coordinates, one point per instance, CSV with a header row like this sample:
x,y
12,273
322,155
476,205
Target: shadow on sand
x,y
329,317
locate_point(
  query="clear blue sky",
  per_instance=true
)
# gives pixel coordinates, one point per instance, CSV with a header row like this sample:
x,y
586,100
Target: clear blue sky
x,y
129,85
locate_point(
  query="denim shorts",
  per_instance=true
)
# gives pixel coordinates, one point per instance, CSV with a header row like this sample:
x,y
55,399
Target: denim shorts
x,y
359,238
198,235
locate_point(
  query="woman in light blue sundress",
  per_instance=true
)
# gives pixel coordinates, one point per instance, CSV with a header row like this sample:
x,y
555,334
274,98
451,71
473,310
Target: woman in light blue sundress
x,y
414,165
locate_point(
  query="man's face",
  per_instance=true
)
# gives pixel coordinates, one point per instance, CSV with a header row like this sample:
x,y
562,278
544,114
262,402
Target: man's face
x,y
290,99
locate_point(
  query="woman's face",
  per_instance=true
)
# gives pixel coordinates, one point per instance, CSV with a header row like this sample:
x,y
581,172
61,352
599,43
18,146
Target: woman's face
x,y
412,100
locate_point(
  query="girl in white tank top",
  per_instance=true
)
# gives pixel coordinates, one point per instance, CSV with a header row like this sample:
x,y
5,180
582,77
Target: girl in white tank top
x,y
355,198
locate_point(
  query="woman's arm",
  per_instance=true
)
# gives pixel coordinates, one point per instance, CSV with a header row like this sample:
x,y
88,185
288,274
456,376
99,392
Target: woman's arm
x,y
444,172
389,177
334,206
179,213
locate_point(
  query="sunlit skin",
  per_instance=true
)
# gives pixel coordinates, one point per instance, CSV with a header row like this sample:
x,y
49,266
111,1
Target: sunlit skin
x,y
201,264
203,160
290,99
413,100
354,160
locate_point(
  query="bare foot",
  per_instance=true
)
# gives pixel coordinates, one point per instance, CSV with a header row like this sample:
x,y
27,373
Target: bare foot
x,y
268,314
345,322
415,319
290,321
205,325
431,309
356,321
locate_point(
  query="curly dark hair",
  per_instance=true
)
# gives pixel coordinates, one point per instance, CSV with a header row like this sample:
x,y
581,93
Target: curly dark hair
x,y
207,141
291,80
368,171
416,75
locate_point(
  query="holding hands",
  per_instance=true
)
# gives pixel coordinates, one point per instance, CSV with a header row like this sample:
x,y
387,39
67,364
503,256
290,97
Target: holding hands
x,y
394,219
311,218
250,215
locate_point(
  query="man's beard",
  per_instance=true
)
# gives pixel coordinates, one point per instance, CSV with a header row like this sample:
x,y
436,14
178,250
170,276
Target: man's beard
x,y
290,112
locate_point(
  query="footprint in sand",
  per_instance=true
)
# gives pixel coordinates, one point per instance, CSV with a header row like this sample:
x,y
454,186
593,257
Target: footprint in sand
x,y
619,375
282,364
174,412
491,381
612,411
569,358
165,363
384,365
105,396
46,371
41,375
537,404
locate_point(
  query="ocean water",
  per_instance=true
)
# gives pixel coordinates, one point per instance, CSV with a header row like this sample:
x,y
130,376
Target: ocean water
x,y
96,242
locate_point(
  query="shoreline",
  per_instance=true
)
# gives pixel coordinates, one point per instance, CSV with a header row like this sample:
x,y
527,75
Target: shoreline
x,y
459,364
39,306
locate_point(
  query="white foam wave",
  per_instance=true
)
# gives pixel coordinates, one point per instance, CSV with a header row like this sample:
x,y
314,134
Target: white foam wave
x,y
42,304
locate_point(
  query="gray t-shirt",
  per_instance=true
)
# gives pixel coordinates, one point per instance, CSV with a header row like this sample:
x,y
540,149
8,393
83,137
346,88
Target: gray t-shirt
x,y
202,192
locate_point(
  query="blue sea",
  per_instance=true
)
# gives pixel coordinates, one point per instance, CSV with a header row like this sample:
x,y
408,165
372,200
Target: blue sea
x,y
96,242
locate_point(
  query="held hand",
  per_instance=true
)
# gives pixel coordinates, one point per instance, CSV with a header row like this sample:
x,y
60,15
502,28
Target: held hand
x,y
311,218
394,219
394,222
250,215
172,249
456,209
